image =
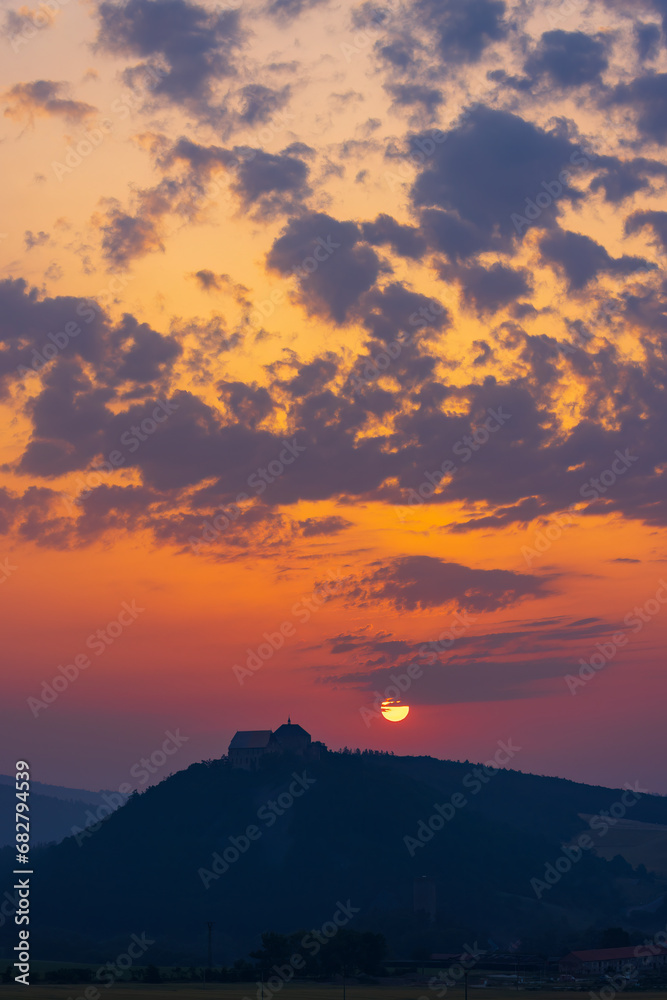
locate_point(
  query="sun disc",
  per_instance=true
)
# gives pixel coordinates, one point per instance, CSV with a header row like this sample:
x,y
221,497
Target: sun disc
x,y
393,711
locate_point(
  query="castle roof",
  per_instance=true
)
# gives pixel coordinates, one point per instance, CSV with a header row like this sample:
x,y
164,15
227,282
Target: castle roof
x,y
290,734
250,739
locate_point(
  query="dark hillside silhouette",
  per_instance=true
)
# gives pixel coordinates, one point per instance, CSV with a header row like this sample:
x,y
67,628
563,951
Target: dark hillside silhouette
x,y
150,867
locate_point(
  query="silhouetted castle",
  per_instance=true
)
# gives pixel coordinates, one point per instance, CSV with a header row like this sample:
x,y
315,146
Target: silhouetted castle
x,y
249,746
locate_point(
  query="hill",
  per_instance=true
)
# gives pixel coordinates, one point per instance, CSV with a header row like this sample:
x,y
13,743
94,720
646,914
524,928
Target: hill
x,y
57,791
281,848
52,812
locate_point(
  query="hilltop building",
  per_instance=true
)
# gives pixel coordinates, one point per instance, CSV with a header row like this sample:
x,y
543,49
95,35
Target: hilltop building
x,y
250,746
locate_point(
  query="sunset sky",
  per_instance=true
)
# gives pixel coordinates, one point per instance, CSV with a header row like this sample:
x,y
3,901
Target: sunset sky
x,y
346,320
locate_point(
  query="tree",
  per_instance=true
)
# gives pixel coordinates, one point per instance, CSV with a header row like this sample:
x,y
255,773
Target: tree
x,y
614,937
353,951
372,951
276,949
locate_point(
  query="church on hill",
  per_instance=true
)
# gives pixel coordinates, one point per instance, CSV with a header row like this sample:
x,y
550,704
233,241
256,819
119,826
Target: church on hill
x,y
249,746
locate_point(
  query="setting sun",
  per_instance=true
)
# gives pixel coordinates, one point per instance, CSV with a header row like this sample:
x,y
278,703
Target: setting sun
x,y
393,711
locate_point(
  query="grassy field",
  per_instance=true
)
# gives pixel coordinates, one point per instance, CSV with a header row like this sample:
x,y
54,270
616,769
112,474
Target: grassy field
x,y
639,843
302,991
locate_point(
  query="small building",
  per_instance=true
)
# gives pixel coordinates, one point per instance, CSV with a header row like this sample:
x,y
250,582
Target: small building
x,y
603,960
250,746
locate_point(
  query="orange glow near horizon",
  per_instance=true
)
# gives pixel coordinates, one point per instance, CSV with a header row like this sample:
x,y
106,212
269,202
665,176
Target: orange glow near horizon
x,y
387,400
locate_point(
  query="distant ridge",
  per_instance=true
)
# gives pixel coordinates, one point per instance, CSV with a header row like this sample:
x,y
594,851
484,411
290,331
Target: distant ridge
x,y
54,810
58,791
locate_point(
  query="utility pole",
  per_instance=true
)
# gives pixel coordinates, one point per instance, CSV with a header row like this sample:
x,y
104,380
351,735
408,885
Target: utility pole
x,y
465,983
210,944
209,962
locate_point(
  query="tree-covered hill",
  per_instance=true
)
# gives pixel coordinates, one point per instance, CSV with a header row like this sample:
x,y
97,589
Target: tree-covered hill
x,y
283,847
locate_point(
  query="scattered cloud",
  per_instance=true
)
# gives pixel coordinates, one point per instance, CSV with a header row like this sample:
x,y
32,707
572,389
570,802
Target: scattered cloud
x,y
45,99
